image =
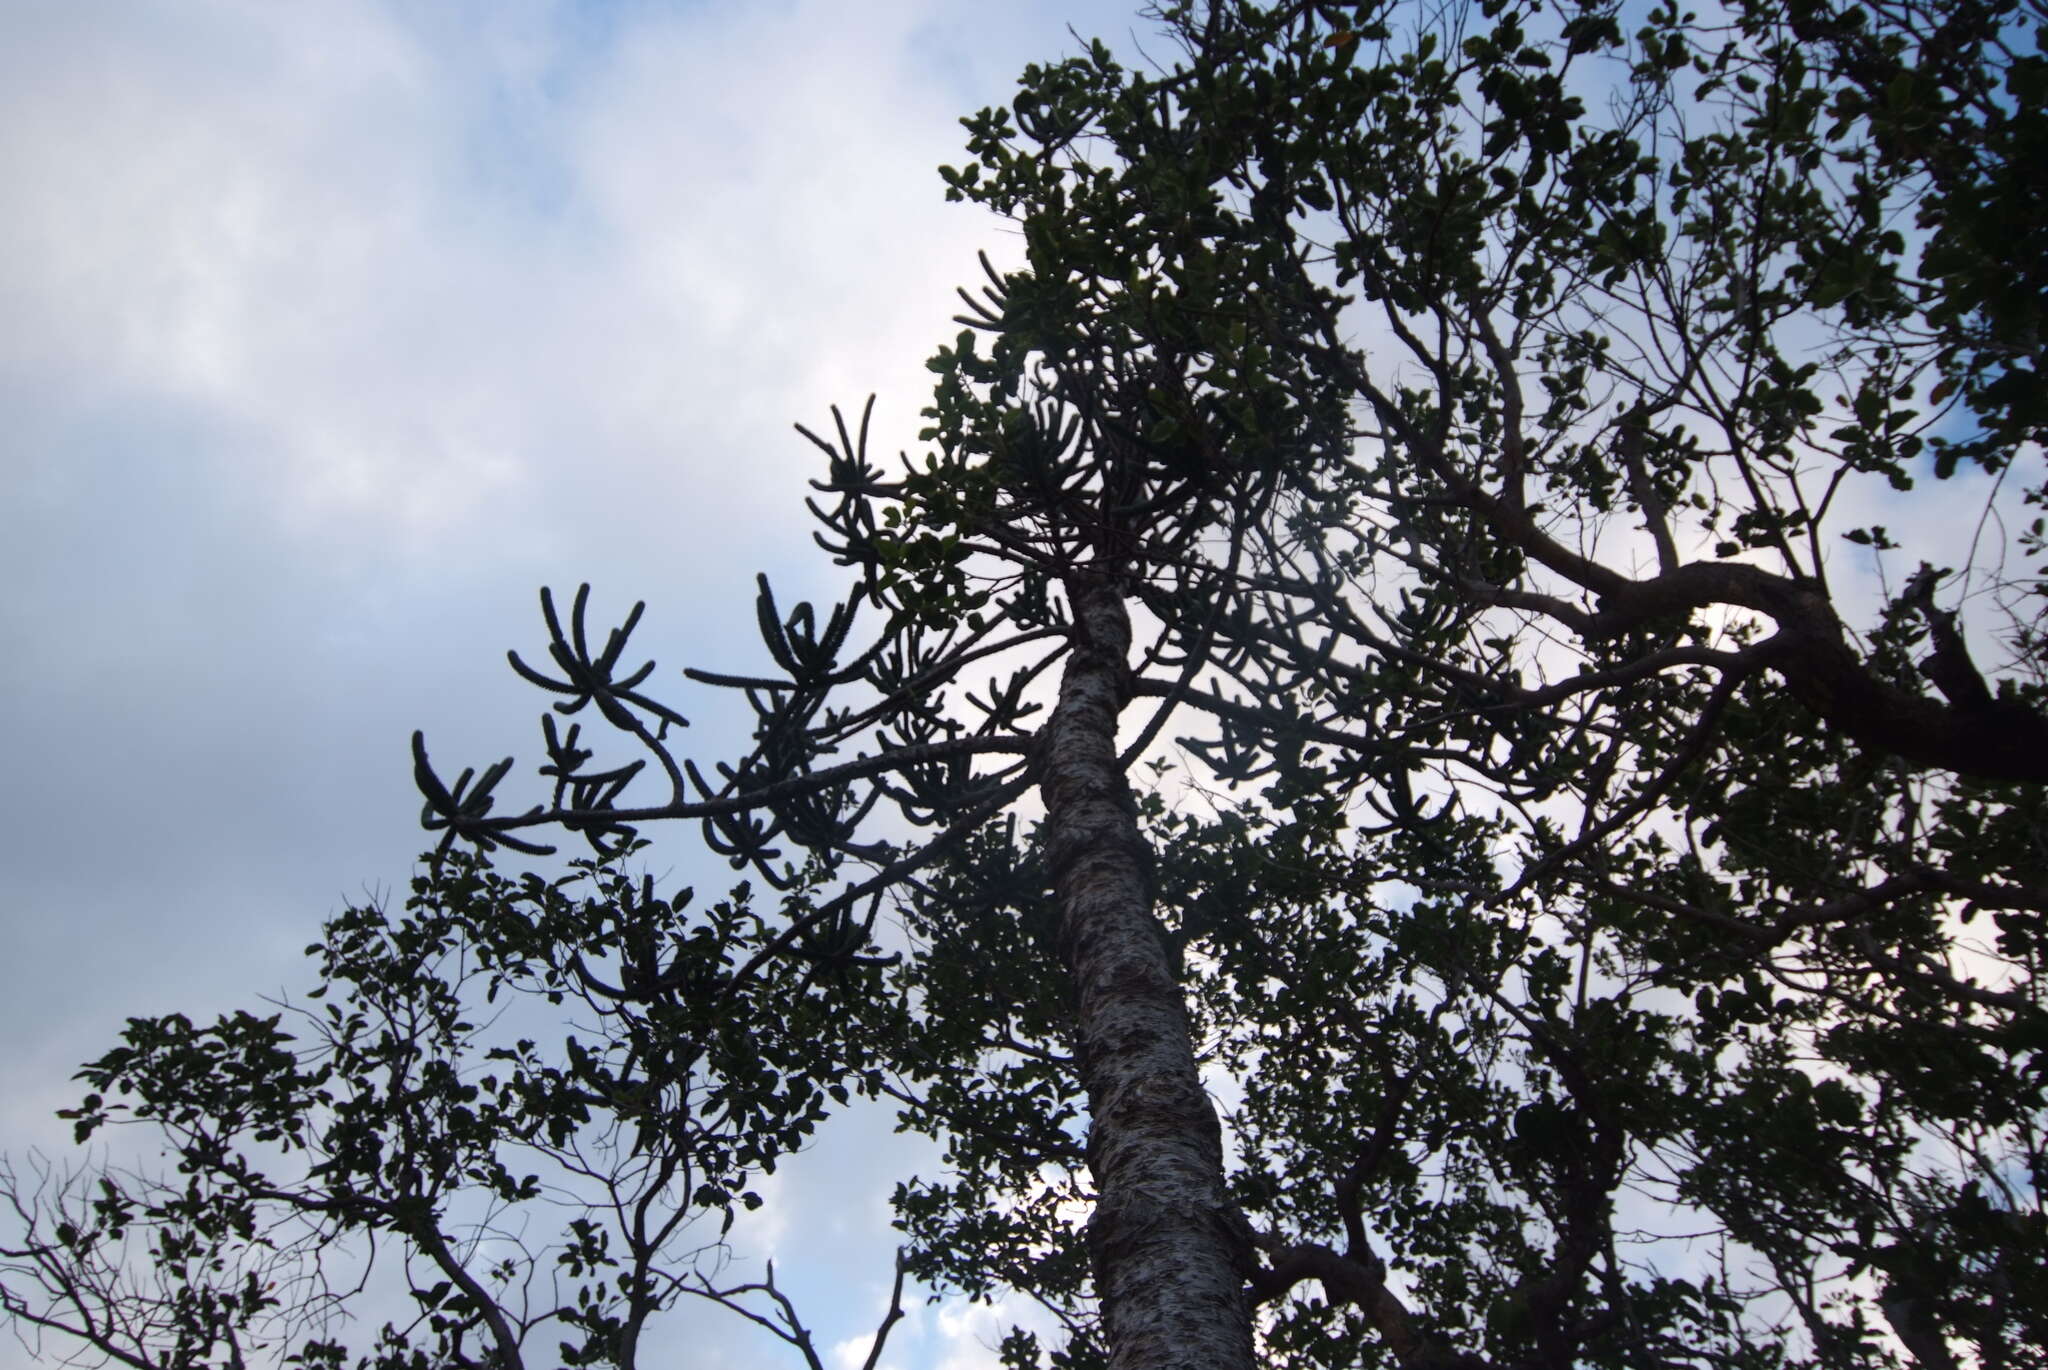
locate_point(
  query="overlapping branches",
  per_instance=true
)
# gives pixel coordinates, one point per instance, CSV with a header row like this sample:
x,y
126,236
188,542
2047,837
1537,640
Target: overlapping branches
x,y
1560,523
395,1135
1493,476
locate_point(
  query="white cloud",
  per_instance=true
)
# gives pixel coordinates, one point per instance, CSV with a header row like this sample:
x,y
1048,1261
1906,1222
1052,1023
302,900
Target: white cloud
x,y
305,224
968,1334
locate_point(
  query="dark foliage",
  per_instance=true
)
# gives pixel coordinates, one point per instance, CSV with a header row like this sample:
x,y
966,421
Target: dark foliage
x,y
1465,431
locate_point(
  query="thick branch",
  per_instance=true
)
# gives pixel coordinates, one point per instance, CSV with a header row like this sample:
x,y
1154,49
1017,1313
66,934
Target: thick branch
x,y
1973,734
1364,1286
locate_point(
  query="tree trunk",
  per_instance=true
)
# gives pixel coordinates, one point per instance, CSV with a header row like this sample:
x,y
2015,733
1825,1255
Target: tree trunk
x,y
1170,1255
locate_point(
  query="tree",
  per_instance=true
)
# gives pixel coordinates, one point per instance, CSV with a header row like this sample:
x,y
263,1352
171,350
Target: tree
x,y
403,1132
1616,381
1466,469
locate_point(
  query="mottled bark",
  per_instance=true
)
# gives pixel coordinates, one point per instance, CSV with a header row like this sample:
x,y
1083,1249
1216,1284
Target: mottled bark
x,y
1169,1254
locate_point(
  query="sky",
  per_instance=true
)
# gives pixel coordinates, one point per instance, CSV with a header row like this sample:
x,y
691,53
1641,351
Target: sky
x,y
331,331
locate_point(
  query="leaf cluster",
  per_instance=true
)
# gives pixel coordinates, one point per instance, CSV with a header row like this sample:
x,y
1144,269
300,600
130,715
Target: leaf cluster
x,y
530,1199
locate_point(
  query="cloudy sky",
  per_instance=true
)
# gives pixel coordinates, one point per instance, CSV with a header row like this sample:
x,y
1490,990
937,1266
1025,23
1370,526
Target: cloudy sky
x,y
331,331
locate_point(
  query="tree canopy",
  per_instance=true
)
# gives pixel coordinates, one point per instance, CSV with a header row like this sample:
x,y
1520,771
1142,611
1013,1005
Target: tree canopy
x,y
1566,478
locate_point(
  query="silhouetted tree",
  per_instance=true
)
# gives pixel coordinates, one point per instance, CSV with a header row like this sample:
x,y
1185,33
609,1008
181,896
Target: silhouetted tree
x,y
1464,425
406,1132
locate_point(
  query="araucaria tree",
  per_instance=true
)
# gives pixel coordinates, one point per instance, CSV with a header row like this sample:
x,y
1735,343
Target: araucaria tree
x,y
1579,468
